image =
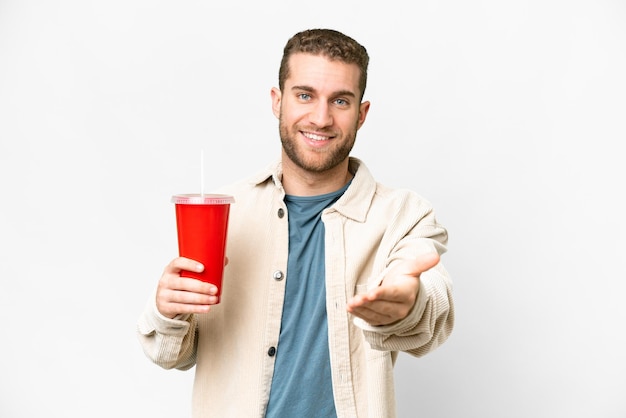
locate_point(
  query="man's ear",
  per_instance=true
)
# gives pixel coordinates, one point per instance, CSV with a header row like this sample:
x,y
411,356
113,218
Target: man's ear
x,y
363,109
276,98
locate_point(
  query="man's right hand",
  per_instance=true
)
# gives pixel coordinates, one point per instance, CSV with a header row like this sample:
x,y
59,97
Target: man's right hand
x,y
183,295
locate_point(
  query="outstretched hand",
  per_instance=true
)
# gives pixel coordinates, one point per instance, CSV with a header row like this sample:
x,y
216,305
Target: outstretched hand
x,y
396,295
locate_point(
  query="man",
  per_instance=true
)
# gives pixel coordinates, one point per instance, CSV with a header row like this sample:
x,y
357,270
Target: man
x,y
329,274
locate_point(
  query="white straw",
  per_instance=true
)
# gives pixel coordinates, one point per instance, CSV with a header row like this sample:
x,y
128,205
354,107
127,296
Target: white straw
x,y
202,173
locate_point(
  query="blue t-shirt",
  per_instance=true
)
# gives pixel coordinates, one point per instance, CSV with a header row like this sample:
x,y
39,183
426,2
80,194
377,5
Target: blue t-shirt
x,y
301,385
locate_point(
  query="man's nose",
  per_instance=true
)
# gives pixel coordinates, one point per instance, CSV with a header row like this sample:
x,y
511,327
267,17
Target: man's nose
x,y
321,115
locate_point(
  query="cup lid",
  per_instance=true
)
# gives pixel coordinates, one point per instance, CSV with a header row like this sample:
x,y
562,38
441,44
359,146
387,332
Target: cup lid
x,y
202,199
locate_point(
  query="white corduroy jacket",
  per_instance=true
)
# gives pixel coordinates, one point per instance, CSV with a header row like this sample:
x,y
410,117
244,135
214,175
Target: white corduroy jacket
x,y
368,230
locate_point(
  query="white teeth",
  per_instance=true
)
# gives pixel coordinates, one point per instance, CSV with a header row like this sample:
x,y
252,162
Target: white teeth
x,y
315,137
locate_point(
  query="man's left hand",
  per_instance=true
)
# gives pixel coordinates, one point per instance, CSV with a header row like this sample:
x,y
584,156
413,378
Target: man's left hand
x,y
396,295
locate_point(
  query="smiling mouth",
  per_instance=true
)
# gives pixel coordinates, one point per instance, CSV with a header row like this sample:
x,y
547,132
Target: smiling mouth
x,y
316,137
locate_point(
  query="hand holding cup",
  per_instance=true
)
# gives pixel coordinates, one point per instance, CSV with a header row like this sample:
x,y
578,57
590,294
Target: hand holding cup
x,y
178,295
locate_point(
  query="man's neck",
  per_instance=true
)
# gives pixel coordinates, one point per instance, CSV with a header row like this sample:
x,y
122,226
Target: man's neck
x,y
299,182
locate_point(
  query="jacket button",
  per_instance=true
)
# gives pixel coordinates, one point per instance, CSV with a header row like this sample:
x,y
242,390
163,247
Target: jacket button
x,y
271,352
278,275
281,212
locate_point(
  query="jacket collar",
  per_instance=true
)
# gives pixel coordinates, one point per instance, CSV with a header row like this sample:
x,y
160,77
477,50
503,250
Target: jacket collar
x,y
354,203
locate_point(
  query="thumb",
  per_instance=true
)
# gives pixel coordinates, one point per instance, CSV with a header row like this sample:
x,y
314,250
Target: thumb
x,y
419,265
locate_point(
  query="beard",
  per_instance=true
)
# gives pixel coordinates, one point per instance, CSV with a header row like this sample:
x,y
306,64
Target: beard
x,y
328,158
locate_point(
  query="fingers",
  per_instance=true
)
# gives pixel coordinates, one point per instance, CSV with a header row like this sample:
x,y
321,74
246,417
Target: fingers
x,y
181,295
182,263
375,312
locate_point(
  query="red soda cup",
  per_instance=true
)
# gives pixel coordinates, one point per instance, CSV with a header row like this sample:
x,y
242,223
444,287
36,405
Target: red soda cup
x,y
202,227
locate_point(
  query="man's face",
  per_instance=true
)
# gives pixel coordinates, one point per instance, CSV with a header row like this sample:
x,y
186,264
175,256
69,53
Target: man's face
x,y
319,111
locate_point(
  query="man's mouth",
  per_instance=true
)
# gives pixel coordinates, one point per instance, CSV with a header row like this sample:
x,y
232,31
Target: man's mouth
x,y
316,137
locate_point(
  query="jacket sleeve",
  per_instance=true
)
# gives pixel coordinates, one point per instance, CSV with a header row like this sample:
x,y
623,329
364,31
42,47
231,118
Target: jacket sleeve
x,y
431,320
169,343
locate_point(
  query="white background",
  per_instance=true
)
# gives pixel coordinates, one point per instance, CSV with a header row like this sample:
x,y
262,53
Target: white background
x,y
508,116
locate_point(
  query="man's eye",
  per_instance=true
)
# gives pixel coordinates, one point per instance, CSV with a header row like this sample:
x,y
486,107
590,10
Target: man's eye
x,y
304,96
341,102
